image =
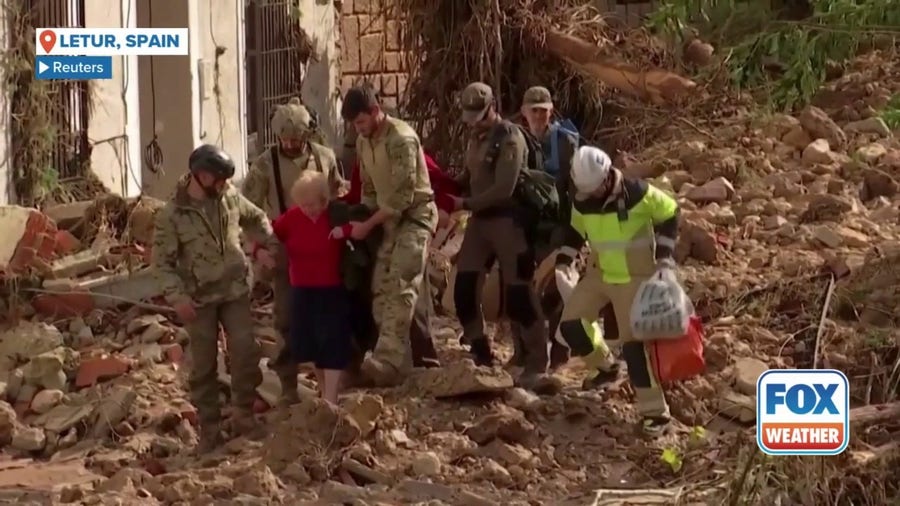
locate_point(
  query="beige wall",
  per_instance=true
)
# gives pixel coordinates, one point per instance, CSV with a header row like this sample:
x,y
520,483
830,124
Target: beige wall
x,y
115,158
321,84
6,186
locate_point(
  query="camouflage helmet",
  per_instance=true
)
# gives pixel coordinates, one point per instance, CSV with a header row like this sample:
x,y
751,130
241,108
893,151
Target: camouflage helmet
x,y
292,120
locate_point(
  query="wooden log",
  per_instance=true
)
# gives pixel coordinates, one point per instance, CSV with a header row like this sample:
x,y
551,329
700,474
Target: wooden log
x,y
875,413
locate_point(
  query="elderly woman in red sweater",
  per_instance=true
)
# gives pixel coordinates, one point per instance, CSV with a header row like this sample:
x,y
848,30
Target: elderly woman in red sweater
x,y
421,341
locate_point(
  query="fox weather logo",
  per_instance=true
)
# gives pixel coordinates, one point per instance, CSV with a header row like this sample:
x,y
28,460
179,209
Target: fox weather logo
x,y
802,412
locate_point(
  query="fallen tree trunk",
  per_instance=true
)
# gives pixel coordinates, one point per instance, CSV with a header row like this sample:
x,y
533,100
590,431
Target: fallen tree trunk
x,y
655,85
875,413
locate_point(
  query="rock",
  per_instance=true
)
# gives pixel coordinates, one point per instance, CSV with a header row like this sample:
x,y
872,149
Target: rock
x,y
522,399
311,425
698,53
154,333
820,126
142,322
258,481
506,424
45,400
461,378
870,153
365,410
780,124
44,365
818,151
8,423
426,464
853,238
797,138
873,125
826,208
825,235
26,340
877,183
114,407
740,406
746,372
29,439
14,381
716,190
773,222
334,492
696,242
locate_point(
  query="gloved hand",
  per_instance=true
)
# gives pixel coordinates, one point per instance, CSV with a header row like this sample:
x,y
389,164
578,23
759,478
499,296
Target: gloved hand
x,y
566,279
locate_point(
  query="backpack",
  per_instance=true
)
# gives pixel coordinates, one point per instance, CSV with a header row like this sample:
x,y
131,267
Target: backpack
x,y
535,189
558,128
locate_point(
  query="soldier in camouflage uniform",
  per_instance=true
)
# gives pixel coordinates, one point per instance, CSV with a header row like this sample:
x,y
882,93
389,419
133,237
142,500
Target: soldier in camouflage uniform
x,y
268,185
396,185
197,254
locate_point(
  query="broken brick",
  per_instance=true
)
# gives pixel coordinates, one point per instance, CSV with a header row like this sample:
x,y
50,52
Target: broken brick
x,y
190,414
98,369
33,235
66,243
175,353
64,305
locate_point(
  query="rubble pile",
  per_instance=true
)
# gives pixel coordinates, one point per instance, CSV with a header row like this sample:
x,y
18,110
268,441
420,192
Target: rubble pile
x,y
94,407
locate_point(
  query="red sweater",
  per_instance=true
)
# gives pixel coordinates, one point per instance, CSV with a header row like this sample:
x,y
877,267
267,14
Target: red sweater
x,y
442,185
314,259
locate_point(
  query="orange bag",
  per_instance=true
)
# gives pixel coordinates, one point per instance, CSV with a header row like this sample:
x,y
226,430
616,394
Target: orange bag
x,y
679,359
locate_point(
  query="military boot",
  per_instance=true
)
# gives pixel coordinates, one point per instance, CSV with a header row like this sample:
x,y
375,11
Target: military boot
x,y
243,423
559,355
601,378
518,358
210,438
481,352
539,383
381,372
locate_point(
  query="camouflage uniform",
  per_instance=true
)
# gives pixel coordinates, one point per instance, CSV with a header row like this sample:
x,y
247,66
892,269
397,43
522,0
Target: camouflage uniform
x,y
289,120
198,258
394,176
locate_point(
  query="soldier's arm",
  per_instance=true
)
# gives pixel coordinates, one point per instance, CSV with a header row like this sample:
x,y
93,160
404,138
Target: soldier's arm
x,y
254,220
164,258
335,181
403,156
256,184
509,162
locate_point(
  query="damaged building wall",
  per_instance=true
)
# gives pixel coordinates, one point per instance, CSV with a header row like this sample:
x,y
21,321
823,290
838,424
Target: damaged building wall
x,y
114,127
6,184
322,78
200,99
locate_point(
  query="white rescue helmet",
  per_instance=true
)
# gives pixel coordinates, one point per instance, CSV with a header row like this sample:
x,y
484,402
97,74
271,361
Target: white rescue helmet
x,y
590,168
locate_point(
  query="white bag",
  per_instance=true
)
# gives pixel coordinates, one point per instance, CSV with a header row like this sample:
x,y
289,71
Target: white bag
x,y
661,308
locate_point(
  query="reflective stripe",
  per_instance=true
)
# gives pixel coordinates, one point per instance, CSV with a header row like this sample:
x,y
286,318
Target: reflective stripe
x,y
601,246
665,242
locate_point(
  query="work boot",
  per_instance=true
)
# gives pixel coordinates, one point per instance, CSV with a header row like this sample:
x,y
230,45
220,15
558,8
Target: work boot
x,y
559,356
481,352
656,425
599,378
381,372
539,383
210,438
243,423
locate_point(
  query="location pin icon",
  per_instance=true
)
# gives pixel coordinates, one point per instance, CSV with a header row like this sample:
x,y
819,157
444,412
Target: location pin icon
x,y
48,40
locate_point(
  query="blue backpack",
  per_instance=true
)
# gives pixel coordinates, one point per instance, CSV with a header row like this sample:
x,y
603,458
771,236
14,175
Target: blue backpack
x,y
557,128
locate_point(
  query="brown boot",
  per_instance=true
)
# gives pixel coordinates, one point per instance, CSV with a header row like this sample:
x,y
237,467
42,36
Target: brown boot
x,y
243,423
210,438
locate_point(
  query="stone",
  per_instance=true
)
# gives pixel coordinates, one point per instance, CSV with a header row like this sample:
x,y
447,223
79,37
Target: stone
x,y
716,190
877,183
853,238
746,372
507,424
29,439
154,333
365,410
461,378
140,323
818,151
826,208
739,406
115,407
44,365
797,138
873,125
773,222
820,126
522,399
26,340
8,423
45,400
426,464
827,236
870,153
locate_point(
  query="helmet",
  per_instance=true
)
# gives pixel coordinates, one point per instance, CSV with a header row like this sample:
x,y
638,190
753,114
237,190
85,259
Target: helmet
x,y
590,168
292,119
212,159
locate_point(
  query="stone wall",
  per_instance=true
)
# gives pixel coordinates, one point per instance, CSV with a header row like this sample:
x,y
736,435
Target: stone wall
x,y
370,49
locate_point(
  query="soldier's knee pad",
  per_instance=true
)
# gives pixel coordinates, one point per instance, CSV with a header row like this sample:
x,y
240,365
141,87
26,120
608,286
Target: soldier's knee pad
x,y
577,337
465,300
520,305
636,359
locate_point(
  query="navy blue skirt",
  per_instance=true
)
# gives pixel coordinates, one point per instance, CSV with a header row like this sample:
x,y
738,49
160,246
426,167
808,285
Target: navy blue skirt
x,y
321,326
